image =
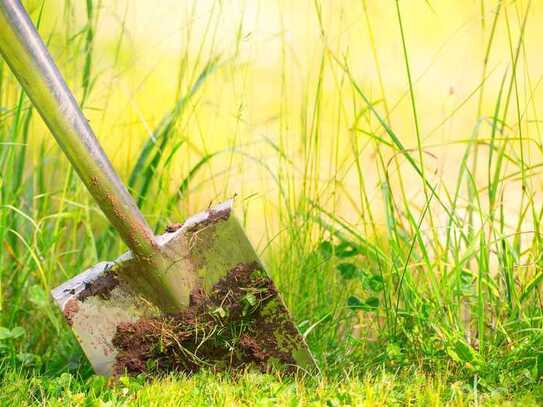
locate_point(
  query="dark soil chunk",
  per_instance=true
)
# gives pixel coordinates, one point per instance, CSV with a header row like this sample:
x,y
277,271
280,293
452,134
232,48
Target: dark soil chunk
x,y
218,215
174,227
214,216
240,323
102,286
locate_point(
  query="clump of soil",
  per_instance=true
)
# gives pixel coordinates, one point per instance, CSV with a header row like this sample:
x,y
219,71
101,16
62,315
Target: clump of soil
x,y
240,322
102,286
174,227
70,309
214,216
218,215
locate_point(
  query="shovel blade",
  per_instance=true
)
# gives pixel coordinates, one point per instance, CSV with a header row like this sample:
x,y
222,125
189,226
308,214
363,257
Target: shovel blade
x,y
235,317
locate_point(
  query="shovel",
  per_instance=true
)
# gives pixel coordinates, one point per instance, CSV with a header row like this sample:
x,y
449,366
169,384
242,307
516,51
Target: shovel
x,y
195,297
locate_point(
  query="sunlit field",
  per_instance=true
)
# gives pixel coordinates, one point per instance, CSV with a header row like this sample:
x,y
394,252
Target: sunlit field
x,y
386,160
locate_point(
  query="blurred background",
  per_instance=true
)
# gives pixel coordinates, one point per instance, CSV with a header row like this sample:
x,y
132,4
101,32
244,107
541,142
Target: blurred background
x,y
276,82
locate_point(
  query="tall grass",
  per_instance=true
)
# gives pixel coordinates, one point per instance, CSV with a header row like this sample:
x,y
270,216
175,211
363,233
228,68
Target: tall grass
x,y
388,252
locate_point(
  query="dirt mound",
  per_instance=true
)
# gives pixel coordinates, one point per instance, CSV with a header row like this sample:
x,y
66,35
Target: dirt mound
x,y
240,323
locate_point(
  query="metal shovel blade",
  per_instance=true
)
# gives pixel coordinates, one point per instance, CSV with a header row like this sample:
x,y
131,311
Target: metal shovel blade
x,y
235,318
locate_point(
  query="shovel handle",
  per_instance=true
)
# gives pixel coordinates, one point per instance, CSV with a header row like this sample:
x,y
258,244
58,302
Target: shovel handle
x,y
28,58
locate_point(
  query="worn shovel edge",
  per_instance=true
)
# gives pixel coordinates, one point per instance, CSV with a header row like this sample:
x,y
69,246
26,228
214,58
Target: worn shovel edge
x,y
73,287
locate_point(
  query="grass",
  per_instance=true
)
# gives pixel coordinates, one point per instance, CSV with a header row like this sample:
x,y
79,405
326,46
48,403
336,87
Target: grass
x,y
252,389
401,224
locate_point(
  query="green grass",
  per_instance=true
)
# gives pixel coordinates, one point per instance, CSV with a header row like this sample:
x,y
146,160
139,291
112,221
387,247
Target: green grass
x,y
253,389
413,284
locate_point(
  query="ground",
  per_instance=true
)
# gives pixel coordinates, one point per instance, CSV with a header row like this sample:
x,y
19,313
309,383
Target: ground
x,y
206,389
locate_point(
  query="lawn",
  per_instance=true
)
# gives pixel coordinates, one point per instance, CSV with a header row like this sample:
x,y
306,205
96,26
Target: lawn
x,y
385,159
251,389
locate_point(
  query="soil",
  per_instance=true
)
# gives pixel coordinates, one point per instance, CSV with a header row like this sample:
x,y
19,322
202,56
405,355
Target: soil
x,y
218,215
174,227
213,217
239,323
102,286
70,309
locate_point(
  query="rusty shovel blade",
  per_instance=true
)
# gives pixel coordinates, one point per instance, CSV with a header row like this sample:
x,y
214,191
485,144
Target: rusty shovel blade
x,y
235,319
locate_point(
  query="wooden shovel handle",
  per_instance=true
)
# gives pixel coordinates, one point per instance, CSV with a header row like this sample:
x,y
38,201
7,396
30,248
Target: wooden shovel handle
x,y
29,59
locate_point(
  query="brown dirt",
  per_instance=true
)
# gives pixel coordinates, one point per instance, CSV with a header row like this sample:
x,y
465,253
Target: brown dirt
x,y
102,286
70,309
174,227
214,216
223,329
